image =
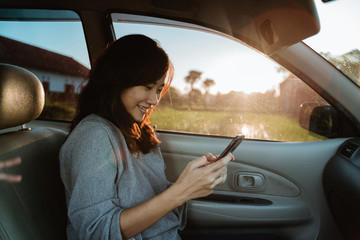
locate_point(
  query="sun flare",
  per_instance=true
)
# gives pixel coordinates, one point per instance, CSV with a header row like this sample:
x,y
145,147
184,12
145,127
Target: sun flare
x,y
245,130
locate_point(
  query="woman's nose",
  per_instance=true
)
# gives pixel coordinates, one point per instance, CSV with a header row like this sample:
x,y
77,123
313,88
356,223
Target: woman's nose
x,y
153,98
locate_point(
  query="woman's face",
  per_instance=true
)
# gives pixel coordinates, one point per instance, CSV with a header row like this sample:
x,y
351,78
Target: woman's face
x,y
139,99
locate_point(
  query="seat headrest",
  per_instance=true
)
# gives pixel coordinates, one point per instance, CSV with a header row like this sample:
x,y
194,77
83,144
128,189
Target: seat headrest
x,y
22,96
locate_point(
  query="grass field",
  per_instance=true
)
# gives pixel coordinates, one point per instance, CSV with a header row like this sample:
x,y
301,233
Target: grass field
x,y
259,126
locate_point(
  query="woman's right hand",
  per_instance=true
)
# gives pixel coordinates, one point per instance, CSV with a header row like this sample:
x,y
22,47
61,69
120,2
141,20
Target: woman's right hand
x,y
200,176
198,179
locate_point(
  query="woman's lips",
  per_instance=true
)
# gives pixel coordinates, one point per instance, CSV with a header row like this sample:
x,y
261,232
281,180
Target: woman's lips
x,y
143,109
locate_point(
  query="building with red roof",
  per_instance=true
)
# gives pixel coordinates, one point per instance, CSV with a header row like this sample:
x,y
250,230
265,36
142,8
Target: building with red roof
x,y
57,72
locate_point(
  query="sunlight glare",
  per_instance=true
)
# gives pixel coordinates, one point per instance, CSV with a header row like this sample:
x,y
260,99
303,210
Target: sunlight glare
x,y
245,130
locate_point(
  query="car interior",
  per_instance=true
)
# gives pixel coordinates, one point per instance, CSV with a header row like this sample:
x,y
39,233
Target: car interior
x,y
275,189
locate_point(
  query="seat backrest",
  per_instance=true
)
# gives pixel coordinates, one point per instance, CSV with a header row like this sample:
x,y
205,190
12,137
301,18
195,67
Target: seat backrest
x,y
35,208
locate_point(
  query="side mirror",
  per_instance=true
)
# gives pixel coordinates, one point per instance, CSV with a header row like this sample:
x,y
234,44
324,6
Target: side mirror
x,y
319,119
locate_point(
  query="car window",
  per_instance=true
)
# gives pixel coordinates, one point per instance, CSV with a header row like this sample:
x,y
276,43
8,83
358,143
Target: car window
x,y
50,44
221,86
338,41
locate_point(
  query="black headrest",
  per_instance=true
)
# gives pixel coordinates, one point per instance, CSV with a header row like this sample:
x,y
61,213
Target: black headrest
x,y
22,96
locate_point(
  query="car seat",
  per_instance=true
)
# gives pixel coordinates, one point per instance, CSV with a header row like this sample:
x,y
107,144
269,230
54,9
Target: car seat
x,y
35,208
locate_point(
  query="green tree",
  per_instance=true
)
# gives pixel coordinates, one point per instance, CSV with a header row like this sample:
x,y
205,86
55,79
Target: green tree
x,y
172,98
349,63
207,84
197,97
191,79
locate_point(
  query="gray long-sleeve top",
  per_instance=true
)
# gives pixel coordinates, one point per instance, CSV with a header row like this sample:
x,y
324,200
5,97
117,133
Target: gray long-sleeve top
x,y
102,178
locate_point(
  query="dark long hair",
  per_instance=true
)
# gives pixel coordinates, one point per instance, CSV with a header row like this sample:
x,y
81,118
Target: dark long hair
x,y
133,60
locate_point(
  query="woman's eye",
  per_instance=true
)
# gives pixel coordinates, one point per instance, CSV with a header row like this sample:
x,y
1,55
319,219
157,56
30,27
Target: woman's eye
x,y
148,87
159,91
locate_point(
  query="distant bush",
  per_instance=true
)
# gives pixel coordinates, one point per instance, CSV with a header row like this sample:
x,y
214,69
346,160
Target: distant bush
x,y
58,111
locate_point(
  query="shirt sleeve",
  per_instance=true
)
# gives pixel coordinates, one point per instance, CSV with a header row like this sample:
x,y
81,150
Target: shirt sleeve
x,y
90,168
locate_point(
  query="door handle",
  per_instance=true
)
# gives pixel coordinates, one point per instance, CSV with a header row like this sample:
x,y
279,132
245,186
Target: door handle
x,y
250,181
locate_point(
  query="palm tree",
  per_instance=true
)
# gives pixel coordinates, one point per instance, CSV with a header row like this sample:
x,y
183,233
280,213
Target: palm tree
x,y
207,84
192,78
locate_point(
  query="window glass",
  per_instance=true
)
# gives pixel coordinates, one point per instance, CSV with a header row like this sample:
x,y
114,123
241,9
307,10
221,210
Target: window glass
x,y
50,44
222,87
338,40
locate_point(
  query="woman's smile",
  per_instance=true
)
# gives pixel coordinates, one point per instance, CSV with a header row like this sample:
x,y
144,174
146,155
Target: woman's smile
x,y
143,109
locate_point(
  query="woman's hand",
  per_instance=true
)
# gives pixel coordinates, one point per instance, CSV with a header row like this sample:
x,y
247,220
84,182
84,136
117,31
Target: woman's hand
x,y
200,176
197,180
6,164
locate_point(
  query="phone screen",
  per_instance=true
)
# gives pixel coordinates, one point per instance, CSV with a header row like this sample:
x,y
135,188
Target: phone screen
x,y
235,142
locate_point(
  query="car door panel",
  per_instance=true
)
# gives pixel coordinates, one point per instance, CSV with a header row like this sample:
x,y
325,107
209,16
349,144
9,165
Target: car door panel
x,y
289,202
278,212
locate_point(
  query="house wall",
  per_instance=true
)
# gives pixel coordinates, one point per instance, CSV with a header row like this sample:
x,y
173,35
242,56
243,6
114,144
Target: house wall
x,y
57,82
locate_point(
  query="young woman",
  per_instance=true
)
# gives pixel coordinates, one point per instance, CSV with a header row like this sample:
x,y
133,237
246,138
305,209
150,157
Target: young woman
x,y
111,163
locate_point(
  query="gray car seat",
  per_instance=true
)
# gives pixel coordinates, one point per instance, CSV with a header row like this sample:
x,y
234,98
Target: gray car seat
x,y
35,208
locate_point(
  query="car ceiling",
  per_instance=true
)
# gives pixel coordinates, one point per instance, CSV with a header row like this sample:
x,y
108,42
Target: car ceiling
x,y
266,25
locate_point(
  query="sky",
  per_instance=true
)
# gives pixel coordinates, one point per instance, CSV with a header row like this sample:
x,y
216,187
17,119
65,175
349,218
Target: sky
x,y
65,38
339,30
230,64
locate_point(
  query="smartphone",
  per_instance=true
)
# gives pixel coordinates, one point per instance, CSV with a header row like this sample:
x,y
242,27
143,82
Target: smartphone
x,y
232,146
